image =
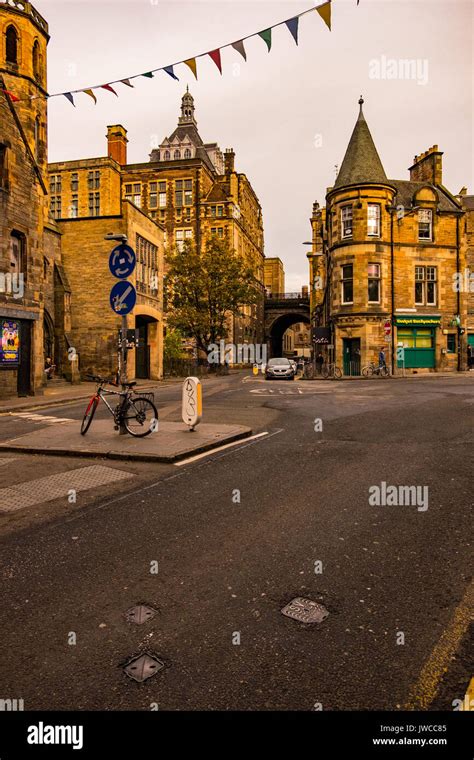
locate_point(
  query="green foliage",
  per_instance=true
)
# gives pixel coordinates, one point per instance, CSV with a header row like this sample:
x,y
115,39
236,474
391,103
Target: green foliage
x,y
203,289
173,345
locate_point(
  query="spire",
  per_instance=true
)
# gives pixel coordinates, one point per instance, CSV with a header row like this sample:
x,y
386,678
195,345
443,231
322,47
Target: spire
x,y
361,162
187,109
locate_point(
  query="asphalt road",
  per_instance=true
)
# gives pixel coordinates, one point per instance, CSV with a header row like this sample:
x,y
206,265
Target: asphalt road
x,y
237,535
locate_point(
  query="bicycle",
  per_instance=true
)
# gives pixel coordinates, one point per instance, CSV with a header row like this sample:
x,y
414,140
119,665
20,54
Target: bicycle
x,y
132,412
374,369
331,371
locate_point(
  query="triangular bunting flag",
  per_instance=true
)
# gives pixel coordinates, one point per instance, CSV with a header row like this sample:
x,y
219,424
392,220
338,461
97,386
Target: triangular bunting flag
x,y
191,62
292,25
149,74
127,82
89,92
12,97
325,13
239,46
266,35
169,70
216,57
69,97
109,88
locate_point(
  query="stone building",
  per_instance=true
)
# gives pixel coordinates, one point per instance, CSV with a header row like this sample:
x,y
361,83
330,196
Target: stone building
x,y
274,275
384,259
466,278
34,290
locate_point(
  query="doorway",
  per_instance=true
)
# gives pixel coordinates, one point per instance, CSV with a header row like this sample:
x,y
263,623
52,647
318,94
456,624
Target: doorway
x,y
351,356
142,352
24,367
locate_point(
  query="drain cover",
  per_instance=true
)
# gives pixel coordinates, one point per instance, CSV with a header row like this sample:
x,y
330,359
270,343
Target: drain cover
x,y
143,667
305,610
140,614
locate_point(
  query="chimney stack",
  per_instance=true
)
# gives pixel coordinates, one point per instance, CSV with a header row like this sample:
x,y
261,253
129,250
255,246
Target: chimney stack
x,y
229,158
117,143
428,167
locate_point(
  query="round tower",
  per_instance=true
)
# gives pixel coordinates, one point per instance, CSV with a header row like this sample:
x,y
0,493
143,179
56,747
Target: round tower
x,y
24,38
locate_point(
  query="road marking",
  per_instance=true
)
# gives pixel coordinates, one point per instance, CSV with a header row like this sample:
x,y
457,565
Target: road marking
x,y
220,448
424,691
39,417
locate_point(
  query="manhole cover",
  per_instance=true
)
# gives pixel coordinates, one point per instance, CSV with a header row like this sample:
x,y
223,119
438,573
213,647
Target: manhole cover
x,y
143,667
140,614
305,610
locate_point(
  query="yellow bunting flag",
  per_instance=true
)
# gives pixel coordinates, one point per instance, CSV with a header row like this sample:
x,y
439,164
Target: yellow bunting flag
x,y
89,92
325,13
191,62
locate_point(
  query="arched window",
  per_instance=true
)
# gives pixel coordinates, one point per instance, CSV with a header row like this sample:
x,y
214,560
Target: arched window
x,y
36,60
166,156
177,154
187,153
12,45
37,137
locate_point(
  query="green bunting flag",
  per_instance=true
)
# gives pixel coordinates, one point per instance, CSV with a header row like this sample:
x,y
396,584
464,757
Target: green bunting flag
x,y
266,35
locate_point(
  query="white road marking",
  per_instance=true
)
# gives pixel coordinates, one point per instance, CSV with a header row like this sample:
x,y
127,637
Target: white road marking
x,y
220,448
40,417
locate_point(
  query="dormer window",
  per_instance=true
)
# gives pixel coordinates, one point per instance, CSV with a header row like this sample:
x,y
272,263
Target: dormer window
x,y
177,154
425,224
187,153
166,155
12,45
346,221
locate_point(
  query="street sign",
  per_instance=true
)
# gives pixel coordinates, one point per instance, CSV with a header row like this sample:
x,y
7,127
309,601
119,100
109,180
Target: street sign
x,y
191,408
123,297
388,327
122,261
400,353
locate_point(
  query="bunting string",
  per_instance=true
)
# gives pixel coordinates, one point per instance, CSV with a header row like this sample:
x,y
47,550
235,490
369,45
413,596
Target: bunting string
x,y
324,11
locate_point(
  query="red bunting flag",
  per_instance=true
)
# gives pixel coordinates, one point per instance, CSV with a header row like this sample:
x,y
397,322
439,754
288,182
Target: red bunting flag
x,y
109,88
216,57
12,97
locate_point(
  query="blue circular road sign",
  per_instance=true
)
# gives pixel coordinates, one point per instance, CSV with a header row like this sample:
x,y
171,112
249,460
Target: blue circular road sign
x,y
123,297
122,261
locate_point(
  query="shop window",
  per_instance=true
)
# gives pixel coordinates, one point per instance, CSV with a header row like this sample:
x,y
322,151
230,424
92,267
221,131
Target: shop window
x,y
425,224
346,221
451,343
12,45
374,283
347,280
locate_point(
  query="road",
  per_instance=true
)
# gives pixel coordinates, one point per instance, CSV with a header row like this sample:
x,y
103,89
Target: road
x,y
237,535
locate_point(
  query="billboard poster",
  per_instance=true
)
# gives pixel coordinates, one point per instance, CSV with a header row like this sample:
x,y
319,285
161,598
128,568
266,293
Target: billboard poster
x,y
10,342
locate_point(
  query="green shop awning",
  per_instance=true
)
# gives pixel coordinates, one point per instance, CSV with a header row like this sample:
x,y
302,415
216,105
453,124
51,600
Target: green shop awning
x,y
411,320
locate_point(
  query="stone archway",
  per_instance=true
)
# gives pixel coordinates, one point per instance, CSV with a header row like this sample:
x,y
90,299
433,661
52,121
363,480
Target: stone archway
x,y
146,361
278,327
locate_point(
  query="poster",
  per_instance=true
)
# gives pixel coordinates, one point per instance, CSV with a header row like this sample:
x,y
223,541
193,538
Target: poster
x,y
10,342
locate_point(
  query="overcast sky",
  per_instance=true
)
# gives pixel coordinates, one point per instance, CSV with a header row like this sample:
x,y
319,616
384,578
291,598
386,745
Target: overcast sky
x,y
289,113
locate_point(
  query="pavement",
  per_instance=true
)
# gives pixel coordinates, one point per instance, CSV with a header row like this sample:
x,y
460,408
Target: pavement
x,y
219,545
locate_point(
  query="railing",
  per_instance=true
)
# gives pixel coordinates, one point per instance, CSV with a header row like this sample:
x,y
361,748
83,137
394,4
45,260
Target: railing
x,y
287,296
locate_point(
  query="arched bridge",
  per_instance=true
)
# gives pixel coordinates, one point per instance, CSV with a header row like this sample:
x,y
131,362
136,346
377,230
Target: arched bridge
x,y
282,310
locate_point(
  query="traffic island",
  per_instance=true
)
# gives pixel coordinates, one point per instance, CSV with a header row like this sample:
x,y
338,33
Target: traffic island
x,y
171,443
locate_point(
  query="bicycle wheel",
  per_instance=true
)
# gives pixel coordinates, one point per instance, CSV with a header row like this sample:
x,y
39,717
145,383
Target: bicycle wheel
x,y
89,414
337,373
325,372
384,371
367,371
140,417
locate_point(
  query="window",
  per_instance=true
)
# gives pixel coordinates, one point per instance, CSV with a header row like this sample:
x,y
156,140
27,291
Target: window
x,y
12,45
187,153
374,283
451,343
3,167
74,183
373,219
213,210
425,224
152,196
17,253
178,193
219,231
133,193
36,61
162,194
425,286
166,155
181,236
93,180
346,221
220,211
55,206
74,207
37,137
177,154
347,283
188,192
94,204
55,183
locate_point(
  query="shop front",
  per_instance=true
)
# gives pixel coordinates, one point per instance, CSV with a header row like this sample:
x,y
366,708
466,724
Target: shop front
x,y
417,334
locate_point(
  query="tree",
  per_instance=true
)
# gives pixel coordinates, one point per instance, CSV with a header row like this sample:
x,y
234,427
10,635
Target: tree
x,y
203,289
173,345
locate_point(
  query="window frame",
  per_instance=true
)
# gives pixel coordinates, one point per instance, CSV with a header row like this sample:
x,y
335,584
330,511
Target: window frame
x,y
374,278
429,213
346,216
344,280
377,219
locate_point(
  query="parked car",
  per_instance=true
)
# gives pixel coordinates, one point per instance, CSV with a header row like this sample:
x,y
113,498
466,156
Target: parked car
x,y
279,369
